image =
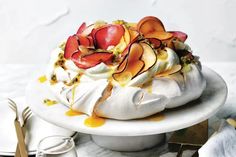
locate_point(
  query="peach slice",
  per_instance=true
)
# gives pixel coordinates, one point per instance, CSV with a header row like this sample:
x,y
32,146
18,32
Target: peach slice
x,y
83,40
81,28
149,57
150,24
180,35
87,31
159,35
122,66
133,66
133,35
108,35
156,43
91,60
71,46
126,36
171,71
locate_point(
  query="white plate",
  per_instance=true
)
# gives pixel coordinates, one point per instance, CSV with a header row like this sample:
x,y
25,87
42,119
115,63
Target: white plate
x,y
37,129
208,104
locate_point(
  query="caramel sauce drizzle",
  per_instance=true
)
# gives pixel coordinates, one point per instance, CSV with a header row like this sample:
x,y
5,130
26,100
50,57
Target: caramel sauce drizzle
x,y
94,120
72,113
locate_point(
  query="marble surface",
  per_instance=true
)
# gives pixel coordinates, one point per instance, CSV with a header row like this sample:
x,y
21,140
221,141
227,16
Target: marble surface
x,y
31,28
14,78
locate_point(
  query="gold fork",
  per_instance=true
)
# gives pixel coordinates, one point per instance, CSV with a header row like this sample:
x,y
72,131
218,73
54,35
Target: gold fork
x,y
19,130
26,114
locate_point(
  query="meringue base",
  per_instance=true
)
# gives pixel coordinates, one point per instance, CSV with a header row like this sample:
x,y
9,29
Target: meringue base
x,y
128,143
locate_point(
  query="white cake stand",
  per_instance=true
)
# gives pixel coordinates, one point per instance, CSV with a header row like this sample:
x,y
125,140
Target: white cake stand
x,y
132,135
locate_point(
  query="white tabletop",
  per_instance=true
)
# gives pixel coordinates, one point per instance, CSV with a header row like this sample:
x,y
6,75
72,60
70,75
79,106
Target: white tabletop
x,y
14,78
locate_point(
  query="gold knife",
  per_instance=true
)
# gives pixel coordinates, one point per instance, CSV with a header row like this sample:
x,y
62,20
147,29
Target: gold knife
x,y
20,137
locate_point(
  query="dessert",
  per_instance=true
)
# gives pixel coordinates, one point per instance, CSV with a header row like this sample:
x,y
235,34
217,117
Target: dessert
x,y
124,70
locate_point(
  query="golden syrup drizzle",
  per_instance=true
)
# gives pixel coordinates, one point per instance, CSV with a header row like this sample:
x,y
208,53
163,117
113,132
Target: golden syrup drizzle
x,y
71,113
49,102
156,117
42,79
94,121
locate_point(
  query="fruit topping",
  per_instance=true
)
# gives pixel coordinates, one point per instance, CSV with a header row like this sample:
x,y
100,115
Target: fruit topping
x,y
150,24
83,40
81,28
133,64
90,60
71,47
180,35
149,57
156,43
109,35
134,47
159,35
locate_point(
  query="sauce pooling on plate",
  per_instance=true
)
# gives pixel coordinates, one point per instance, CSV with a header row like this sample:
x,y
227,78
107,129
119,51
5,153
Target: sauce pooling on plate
x,y
94,121
71,113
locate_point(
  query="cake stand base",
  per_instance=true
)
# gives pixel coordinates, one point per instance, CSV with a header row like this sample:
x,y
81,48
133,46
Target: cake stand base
x,y
128,143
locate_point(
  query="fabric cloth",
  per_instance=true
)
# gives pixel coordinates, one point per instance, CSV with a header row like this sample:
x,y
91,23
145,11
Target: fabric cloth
x,y
221,144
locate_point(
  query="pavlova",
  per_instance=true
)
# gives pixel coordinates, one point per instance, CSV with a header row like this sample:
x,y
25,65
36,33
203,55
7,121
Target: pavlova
x,y
123,70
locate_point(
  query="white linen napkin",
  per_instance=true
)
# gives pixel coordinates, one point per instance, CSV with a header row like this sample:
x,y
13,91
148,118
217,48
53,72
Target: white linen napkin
x,y
221,144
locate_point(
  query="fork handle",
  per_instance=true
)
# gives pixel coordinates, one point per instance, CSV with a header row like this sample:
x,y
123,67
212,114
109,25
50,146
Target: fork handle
x,y
20,137
17,153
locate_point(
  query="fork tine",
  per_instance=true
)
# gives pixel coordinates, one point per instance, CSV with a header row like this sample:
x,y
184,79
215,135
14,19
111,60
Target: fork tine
x,y
28,116
13,102
25,111
12,106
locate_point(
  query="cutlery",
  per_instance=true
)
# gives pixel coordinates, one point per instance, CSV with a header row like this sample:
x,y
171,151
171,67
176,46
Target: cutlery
x,y
191,138
19,130
26,114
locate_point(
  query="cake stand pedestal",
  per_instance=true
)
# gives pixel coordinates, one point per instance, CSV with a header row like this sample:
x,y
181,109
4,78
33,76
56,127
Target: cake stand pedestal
x,y
128,143
132,135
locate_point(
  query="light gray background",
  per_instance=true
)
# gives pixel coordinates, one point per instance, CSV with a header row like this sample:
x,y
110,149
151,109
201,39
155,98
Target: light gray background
x,y
30,29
